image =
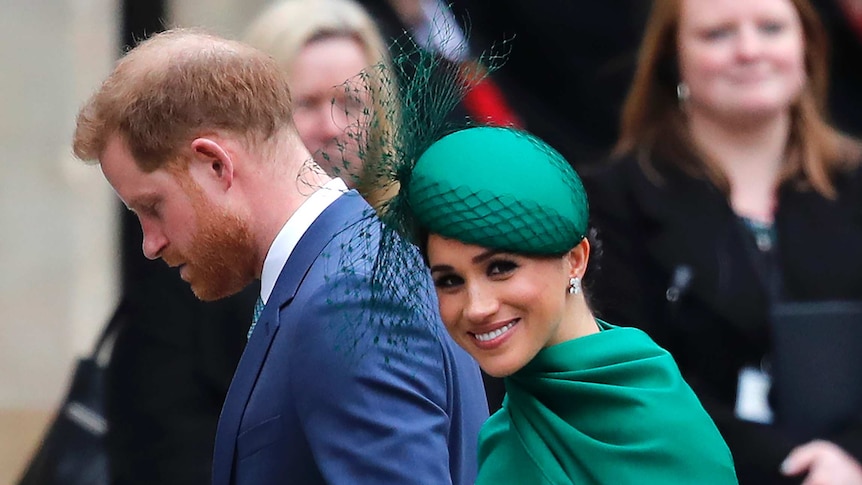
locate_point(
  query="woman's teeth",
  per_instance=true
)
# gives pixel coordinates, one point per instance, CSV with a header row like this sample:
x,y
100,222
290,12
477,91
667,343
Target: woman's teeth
x,y
484,337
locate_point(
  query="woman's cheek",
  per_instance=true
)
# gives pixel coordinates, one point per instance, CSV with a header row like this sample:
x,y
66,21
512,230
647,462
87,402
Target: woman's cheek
x,y
447,310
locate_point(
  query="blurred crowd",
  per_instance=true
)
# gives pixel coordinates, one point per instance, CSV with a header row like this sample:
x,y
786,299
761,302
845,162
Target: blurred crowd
x,y
717,144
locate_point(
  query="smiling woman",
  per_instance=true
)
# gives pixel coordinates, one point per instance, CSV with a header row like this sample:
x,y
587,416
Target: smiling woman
x,y
504,307
742,60
502,219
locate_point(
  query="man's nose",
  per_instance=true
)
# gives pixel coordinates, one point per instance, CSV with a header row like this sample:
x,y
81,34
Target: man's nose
x,y
154,241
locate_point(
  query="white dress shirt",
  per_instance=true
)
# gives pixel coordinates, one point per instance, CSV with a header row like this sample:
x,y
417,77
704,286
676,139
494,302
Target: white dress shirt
x,y
292,231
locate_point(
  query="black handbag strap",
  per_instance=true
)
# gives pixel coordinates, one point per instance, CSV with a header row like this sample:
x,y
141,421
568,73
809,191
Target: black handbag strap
x,y
111,328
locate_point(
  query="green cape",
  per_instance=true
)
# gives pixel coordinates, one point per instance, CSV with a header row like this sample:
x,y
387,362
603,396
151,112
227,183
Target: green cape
x,y
609,408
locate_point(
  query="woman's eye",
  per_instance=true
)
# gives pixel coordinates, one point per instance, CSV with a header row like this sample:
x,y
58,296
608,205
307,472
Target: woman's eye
x,y
716,34
503,267
348,106
303,103
771,27
353,103
447,281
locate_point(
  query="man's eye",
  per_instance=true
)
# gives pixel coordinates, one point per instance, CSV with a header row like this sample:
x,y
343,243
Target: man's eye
x,y
150,210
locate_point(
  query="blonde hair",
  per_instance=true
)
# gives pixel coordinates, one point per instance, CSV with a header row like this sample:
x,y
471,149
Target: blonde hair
x,y
285,28
653,123
177,84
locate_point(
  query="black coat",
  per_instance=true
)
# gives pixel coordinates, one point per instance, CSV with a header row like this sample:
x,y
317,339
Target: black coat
x,y
570,65
646,232
845,70
169,373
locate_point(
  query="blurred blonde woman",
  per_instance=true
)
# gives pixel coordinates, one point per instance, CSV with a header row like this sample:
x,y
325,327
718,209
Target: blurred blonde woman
x,y
336,62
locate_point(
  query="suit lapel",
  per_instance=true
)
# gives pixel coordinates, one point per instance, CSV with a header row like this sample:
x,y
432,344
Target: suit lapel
x,y
239,393
345,210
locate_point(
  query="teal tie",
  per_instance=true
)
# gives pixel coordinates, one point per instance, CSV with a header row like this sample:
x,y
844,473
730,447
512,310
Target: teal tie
x,y
258,309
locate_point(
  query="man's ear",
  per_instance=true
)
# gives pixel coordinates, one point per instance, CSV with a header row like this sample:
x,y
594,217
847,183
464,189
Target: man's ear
x,y
211,162
578,258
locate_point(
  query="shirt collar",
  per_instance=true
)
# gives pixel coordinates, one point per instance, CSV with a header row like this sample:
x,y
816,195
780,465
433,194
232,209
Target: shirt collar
x,y
289,235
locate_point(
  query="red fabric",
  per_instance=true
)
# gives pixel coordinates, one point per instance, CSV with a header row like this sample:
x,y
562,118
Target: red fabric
x,y
485,102
853,12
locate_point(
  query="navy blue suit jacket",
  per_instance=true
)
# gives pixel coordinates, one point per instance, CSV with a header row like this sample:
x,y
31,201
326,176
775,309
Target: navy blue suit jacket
x,y
326,392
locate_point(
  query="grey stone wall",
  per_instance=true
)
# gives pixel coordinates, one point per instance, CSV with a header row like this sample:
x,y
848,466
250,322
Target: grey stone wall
x,y
58,230
229,18
58,255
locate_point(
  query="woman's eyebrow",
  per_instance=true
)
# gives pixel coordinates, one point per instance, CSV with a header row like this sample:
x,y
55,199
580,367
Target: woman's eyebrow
x,y
440,267
486,255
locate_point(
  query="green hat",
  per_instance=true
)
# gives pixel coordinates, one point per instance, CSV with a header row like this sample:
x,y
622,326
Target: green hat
x,y
499,188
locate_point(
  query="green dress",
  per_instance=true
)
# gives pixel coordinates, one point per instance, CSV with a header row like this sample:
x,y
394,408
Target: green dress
x,y
609,408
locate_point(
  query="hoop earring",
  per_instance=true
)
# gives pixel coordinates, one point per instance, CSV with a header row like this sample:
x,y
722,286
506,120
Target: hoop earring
x,y
574,286
682,92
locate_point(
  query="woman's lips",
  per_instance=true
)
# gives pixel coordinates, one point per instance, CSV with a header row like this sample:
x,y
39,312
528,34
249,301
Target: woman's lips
x,y
494,338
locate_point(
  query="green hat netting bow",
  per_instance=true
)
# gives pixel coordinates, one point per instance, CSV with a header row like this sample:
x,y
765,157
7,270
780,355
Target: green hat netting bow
x,y
408,104
425,170
498,188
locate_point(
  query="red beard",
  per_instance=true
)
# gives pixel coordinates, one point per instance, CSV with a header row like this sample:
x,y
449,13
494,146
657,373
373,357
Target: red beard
x,y
222,259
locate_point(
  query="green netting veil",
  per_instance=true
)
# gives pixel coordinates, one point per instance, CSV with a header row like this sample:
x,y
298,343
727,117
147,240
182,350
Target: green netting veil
x,y
500,188
407,105
425,170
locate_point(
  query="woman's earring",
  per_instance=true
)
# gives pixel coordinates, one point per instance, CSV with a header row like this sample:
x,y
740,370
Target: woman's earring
x,y
682,92
574,286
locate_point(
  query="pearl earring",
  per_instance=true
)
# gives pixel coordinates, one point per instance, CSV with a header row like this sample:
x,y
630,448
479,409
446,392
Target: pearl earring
x,y
574,286
682,92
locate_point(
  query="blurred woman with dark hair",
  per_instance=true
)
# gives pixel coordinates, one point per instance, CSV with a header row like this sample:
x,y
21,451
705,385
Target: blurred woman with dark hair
x,y
731,195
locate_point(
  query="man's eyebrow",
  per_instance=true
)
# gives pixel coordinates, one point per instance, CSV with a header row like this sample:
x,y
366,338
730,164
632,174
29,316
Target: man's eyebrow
x,y
141,201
